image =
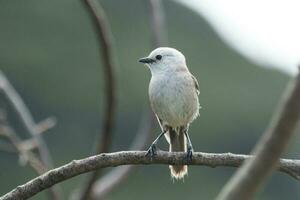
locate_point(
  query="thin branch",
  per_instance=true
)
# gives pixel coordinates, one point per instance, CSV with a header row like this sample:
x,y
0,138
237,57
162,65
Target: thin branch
x,y
41,127
157,23
45,125
26,117
270,147
114,178
29,144
108,74
108,67
26,156
44,160
77,167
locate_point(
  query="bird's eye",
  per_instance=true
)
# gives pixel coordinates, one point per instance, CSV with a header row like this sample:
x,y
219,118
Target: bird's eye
x,y
158,57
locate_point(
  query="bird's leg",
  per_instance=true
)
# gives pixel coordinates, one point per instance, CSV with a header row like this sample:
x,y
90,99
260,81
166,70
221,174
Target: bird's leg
x,y
190,149
152,149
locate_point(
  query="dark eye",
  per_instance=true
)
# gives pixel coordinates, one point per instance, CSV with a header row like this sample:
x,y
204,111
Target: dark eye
x,y
158,57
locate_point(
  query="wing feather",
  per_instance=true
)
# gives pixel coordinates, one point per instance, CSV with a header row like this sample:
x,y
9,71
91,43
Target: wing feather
x,y
196,84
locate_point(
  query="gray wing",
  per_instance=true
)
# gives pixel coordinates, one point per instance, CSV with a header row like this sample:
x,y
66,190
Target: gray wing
x,y
196,84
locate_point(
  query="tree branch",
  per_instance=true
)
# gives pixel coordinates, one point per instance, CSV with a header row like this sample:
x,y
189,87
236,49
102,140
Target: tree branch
x,y
108,67
77,167
157,23
45,125
273,143
25,155
27,119
43,161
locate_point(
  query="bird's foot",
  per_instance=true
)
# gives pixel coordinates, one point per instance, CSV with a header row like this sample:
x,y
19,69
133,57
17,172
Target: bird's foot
x,y
151,151
189,155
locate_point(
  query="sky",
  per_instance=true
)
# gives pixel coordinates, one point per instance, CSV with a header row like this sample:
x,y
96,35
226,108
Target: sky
x,y
266,32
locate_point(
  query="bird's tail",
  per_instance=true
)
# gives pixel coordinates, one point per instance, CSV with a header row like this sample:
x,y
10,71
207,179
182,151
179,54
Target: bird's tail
x,y
177,144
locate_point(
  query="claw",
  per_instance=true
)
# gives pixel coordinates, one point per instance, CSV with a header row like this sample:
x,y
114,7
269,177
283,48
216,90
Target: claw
x,y
190,149
189,155
151,151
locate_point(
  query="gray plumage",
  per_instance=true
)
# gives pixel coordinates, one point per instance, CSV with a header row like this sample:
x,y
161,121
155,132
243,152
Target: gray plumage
x,y
173,94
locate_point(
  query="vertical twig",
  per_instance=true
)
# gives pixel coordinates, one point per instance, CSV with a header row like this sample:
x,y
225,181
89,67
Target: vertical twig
x,y
157,22
159,30
105,37
110,101
273,143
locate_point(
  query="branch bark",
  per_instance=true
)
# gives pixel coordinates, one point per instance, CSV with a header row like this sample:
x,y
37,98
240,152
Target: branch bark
x,y
108,73
77,167
273,143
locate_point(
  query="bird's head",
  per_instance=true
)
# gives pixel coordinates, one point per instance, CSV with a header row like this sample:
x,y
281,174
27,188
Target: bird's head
x,y
165,59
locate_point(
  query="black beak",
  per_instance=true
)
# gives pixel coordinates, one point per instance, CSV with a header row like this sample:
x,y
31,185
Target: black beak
x,y
146,60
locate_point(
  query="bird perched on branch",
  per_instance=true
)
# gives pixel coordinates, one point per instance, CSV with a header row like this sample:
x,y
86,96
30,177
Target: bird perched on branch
x,y
173,93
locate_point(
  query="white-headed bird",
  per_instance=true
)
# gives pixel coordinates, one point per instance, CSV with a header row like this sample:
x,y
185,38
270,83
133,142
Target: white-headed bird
x,y
173,93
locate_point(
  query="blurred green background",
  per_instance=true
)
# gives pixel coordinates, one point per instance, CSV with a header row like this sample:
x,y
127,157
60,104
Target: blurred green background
x,y
50,52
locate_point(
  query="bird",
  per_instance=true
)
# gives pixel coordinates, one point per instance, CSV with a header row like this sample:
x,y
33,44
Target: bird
x,y
173,94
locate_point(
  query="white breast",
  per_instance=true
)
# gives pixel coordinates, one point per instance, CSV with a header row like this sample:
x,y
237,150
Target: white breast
x,y
174,98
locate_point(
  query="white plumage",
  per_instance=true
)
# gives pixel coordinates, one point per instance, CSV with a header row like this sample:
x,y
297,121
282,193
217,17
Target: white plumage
x,y
173,94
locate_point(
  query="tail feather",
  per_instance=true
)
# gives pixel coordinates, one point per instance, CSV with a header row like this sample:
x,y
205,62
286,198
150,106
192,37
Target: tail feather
x,y
177,144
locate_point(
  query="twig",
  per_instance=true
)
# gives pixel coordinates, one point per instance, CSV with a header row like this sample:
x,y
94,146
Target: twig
x,y
108,67
273,143
114,178
41,127
45,125
44,159
29,144
27,119
25,155
77,167
157,22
